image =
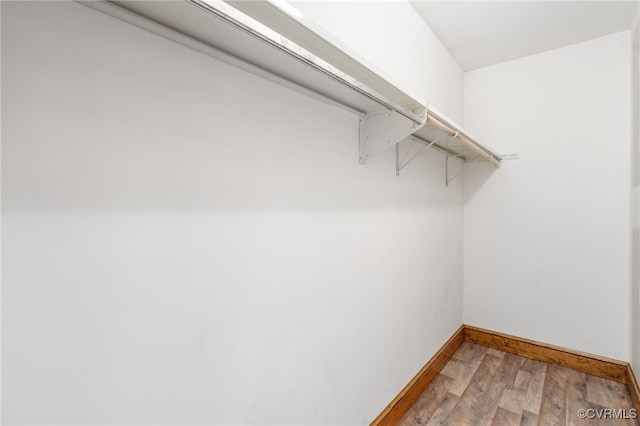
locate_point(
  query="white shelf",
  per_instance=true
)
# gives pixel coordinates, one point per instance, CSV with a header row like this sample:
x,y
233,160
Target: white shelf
x,y
453,140
271,39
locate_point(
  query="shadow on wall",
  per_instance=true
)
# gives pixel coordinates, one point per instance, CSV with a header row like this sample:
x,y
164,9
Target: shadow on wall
x,y
477,175
635,299
635,197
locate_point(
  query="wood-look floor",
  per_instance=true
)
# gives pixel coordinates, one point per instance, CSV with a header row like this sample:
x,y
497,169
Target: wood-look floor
x,y
482,386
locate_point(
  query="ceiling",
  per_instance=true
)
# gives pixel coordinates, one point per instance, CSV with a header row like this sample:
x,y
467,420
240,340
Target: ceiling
x,y
482,33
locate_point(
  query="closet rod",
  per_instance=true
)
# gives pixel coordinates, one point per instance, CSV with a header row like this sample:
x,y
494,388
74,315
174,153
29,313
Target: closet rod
x,y
454,133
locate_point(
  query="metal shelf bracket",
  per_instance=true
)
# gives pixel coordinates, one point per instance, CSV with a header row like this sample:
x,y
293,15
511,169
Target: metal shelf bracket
x,y
447,179
382,130
402,163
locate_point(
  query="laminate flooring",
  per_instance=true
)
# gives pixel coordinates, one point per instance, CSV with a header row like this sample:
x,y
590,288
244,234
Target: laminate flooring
x,y
482,386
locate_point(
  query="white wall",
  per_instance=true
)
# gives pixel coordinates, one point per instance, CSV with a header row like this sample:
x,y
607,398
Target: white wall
x,y
186,243
635,197
547,237
392,36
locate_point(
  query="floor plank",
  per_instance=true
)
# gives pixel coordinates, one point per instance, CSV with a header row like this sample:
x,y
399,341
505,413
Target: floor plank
x,y
505,418
444,413
554,397
513,400
470,408
428,402
607,393
470,351
533,399
522,380
465,377
528,419
576,398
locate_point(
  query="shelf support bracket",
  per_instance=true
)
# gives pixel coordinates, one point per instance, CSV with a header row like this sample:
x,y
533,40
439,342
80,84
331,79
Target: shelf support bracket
x,y
382,130
401,164
448,179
